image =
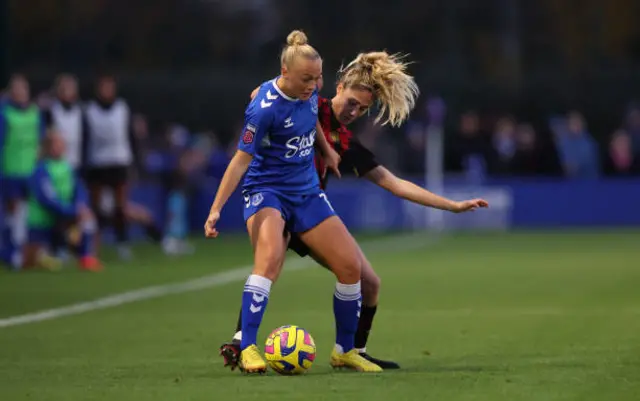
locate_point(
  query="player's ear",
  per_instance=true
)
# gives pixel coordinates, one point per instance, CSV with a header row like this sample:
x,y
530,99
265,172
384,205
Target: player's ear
x,y
284,71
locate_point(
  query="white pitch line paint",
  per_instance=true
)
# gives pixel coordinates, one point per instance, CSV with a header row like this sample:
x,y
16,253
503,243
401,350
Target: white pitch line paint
x,y
393,244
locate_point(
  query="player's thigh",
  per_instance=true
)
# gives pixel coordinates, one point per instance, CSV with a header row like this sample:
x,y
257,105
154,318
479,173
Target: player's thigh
x,y
331,242
265,229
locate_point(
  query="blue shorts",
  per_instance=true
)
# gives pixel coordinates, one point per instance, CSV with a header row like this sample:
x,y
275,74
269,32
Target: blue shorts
x,y
300,212
14,188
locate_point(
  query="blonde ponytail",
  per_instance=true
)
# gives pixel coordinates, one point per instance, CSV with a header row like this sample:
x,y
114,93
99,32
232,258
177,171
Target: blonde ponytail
x,y
385,75
297,46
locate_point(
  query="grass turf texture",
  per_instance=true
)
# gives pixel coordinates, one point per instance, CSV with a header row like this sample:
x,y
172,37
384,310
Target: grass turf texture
x,y
520,316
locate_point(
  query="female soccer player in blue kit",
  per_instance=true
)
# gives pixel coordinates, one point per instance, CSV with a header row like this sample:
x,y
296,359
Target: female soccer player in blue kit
x,y
282,192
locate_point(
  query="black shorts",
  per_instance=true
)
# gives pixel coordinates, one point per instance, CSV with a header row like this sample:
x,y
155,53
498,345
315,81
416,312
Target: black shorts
x,y
299,247
113,176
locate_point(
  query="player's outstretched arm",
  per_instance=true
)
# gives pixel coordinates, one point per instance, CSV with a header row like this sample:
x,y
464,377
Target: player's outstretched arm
x,y
236,169
411,192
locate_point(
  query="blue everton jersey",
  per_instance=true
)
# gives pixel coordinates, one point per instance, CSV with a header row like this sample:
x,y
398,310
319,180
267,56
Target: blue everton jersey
x,y
280,133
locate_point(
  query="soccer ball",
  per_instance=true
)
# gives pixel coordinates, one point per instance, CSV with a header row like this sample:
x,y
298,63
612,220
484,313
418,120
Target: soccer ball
x,y
290,350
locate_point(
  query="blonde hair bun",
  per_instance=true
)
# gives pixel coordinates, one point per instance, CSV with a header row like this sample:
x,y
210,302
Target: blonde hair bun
x,y
297,46
297,38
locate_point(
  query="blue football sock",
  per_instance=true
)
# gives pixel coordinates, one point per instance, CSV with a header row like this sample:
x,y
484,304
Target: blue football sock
x,y
346,309
178,221
254,303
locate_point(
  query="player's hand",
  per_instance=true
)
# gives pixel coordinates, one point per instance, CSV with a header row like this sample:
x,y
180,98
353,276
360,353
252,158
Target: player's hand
x,y
332,161
469,205
210,230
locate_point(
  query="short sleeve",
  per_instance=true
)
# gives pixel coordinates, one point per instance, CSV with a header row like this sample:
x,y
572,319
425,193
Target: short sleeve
x,y
257,122
359,159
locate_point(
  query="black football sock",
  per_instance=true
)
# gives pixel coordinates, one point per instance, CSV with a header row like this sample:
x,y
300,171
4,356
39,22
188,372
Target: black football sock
x,y
367,314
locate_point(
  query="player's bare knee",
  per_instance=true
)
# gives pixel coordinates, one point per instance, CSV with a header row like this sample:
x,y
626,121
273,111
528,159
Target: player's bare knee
x,y
268,260
348,270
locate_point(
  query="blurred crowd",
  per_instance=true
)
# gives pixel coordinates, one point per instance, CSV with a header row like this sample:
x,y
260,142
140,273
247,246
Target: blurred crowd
x,y
565,147
504,146
108,149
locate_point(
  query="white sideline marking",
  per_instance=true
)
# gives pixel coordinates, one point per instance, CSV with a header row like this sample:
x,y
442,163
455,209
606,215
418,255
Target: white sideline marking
x,y
411,241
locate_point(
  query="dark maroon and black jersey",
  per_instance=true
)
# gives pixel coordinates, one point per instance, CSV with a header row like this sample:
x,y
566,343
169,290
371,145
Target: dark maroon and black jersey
x,y
356,159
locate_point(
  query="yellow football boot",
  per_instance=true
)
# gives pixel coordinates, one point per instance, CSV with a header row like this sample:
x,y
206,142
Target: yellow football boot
x,y
353,360
48,262
251,361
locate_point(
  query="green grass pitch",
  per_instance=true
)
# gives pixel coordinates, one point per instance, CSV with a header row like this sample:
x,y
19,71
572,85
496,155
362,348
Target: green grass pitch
x,y
517,316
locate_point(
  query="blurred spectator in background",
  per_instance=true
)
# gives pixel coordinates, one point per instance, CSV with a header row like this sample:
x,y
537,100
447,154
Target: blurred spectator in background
x,y
110,153
413,155
530,158
143,142
65,116
58,202
44,100
22,126
633,127
621,158
504,145
471,148
191,155
135,213
218,158
577,149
